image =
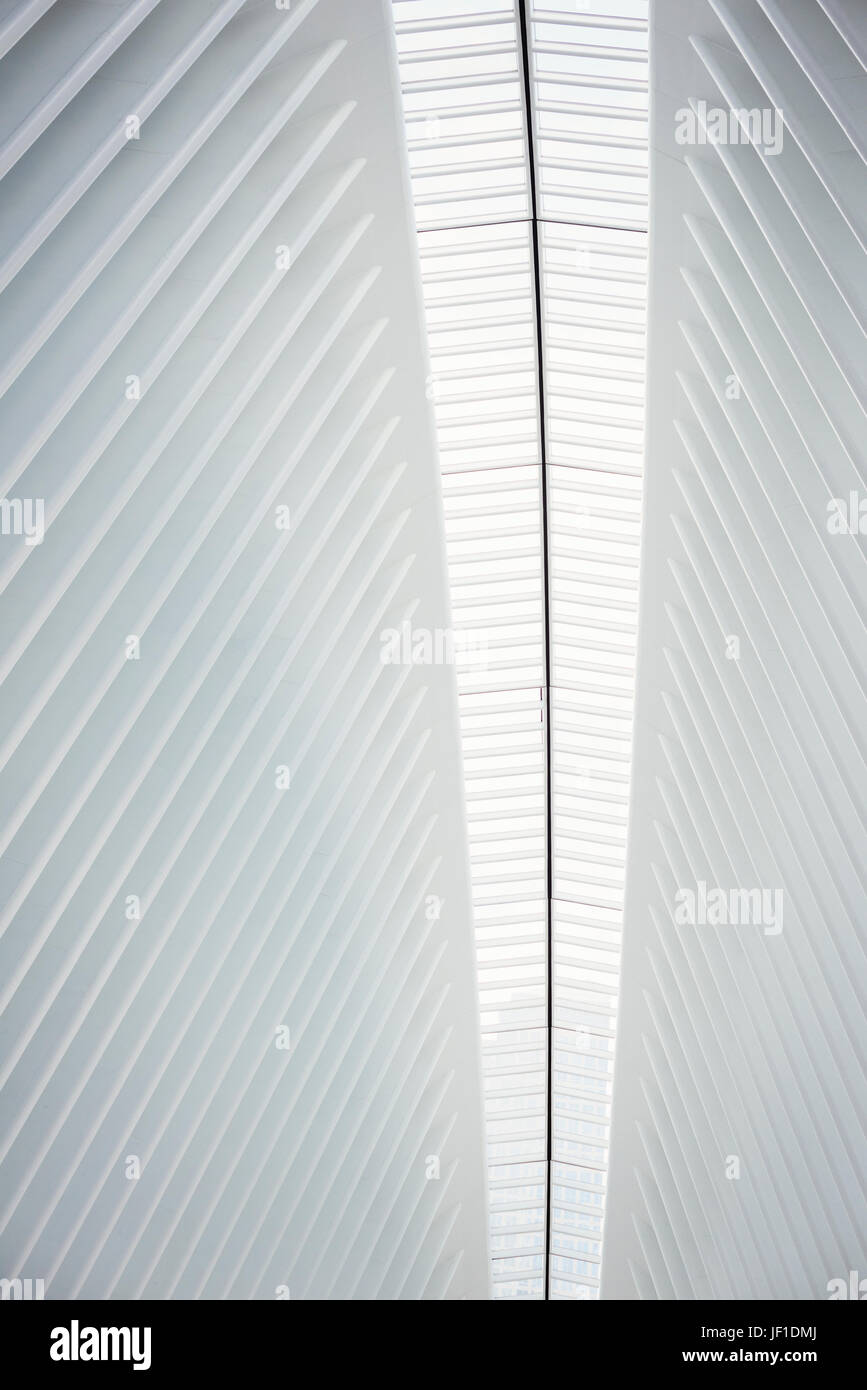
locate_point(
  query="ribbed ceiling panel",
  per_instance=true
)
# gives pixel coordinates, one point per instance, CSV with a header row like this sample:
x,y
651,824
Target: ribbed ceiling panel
x,y
740,1104
239,1026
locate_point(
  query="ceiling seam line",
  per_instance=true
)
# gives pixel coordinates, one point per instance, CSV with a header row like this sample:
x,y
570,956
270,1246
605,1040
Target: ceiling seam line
x,y
526,221
546,625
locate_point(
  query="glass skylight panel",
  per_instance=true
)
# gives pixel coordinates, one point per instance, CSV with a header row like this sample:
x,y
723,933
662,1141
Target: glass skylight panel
x,y
462,92
589,65
589,70
593,313
594,292
479,299
463,80
462,77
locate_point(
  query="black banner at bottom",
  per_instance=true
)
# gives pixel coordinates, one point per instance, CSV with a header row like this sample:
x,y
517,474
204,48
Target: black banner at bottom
x,y
162,1339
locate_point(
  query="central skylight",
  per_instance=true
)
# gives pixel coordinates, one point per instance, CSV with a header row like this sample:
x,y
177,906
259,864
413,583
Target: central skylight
x,y
532,236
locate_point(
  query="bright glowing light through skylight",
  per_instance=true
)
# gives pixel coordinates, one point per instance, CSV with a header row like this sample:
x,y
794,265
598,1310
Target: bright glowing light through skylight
x,y
464,85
